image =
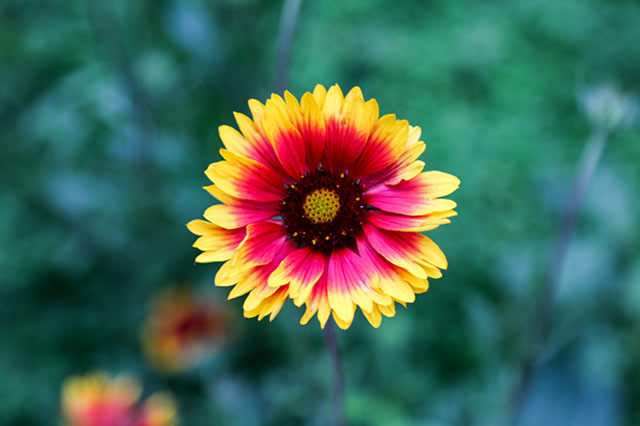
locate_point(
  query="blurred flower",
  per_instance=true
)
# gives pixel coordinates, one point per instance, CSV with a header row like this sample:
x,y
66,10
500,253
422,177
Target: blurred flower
x,y
97,400
323,201
608,108
182,330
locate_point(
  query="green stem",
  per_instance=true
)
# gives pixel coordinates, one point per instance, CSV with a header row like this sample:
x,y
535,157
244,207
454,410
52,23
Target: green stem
x,y
541,322
338,375
288,20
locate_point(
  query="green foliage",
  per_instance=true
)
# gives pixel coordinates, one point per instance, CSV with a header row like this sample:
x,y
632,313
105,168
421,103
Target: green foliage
x,y
109,114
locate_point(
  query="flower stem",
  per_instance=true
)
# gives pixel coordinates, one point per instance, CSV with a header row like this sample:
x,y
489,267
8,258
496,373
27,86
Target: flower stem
x,y
338,375
541,324
288,19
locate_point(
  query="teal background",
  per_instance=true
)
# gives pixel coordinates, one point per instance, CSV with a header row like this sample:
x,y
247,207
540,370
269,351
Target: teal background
x,y
108,117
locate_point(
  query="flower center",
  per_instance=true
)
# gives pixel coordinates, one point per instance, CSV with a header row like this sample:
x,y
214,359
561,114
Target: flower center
x,y
322,205
324,210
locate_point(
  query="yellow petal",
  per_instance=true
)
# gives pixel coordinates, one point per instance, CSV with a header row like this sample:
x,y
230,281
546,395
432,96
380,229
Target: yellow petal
x,y
293,108
414,135
342,305
229,275
398,289
355,92
246,126
308,314
255,298
277,306
215,256
333,102
242,288
373,317
201,227
440,184
257,111
362,299
233,140
312,113
388,311
219,194
323,312
432,253
319,93
356,112
342,324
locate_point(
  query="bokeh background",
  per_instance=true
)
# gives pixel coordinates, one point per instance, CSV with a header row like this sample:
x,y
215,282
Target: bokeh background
x,y
108,117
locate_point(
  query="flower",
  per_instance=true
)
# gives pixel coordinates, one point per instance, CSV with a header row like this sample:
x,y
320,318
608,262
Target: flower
x,y
97,400
323,202
183,329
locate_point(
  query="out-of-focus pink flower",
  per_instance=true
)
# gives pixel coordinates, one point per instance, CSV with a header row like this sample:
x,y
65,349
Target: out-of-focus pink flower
x,y
182,330
98,400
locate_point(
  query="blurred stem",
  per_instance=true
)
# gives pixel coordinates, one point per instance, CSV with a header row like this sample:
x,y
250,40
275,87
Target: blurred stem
x,y
541,321
288,20
338,375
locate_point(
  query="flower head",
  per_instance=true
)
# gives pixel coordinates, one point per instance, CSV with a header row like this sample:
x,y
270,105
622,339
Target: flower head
x,y
323,202
183,329
608,108
97,400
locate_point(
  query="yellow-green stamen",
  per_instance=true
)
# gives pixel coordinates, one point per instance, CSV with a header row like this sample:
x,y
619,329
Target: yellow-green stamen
x,y
321,206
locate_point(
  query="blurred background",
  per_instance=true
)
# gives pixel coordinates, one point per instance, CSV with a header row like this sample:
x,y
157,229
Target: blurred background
x,y
108,117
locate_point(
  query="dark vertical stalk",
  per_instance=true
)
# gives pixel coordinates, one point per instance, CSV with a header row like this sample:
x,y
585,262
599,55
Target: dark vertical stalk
x,y
288,20
541,321
338,375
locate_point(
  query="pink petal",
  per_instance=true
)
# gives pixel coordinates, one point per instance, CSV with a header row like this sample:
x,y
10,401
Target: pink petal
x,y
258,145
291,150
417,196
313,130
343,145
237,216
391,281
301,270
349,283
383,148
263,241
396,222
244,178
399,248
